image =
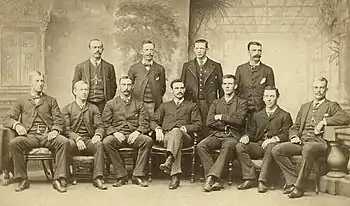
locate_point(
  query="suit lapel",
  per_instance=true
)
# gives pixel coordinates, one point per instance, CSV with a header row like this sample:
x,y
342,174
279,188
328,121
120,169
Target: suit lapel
x,y
275,114
104,74
208,67
304,115
192,68
86,71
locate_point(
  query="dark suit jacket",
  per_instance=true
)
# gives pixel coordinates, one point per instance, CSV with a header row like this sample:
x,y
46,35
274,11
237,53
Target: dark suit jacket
x,y
252,88
212,80
333,114
25,110
276,125
115,115
74,116
82,72
233,114
168,115
156,76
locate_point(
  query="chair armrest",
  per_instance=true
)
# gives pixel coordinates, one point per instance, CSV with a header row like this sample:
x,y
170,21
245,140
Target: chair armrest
x,y
329,133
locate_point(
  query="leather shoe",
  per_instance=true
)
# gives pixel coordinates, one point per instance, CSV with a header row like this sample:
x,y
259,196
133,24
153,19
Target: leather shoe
x,y
166,166
208,185
120,182
57,186
23,185
99,184
262,188
218,185
247,184
174,183
297,193
63,182
139,181
287,189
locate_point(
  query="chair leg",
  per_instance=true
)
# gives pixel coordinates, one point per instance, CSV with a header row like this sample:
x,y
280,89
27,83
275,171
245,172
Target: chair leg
x,y
229,179
108,167
202,173
317,177
51,169
47,173
150,168
193,165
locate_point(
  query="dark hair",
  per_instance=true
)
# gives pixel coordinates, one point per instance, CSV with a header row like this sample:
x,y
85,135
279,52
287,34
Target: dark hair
x,y
126,77
175,81
94,40
322,79
272,88
253,43
202,41
229,76
147,42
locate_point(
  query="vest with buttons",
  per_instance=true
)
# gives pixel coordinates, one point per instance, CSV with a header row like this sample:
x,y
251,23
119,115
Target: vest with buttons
x,y
200,75
96,93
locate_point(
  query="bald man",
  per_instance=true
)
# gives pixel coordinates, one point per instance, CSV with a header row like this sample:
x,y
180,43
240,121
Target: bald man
x,y
38,122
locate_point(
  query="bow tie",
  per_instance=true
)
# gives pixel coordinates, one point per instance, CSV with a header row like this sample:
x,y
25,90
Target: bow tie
x,y
147,65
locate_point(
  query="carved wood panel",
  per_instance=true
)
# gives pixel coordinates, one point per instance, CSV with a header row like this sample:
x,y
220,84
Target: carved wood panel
x,y
20,54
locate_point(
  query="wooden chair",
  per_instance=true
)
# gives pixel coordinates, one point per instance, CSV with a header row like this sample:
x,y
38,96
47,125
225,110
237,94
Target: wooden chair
x,y
158,150
42,154
216,153
125,153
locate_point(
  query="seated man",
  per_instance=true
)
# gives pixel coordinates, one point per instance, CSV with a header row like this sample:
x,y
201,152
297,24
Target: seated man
x,y
306,138
178,118
226,121
84,128
126,123
268,127
38,122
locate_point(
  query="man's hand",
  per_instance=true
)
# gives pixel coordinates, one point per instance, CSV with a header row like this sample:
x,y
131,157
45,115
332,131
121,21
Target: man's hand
x,y
159,135
20,130
52,135
96,138
244,139
218,117
295,140
120,137
319,127
183,128
132,137
268,141
81,145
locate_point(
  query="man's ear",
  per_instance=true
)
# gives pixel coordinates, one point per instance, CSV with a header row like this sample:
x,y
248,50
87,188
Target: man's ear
x,y
235,87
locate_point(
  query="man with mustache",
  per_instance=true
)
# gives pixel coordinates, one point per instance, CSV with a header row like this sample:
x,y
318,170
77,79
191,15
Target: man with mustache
x,y
306,138
149,78
38,122
173,122
226,118
252,78
84,128
126,124
202,77
269,127
99,74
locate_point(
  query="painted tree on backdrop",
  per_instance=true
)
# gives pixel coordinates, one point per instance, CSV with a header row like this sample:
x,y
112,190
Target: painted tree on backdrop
x,y
137,21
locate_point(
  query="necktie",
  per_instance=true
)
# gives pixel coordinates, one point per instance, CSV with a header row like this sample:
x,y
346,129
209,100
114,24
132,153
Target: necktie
x,y
316,105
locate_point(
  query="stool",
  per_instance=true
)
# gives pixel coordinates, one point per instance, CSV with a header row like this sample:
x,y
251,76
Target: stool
x,y
82,166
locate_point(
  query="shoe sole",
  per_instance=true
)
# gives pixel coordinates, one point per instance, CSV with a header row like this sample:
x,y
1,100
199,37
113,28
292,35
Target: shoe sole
x,y
164,168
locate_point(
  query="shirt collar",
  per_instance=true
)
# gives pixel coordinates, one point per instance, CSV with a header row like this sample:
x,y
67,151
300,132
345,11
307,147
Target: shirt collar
x,y
80,105
146,63
124,98
178,101
204,60
254,65
268,111
36,95
95,63
318,102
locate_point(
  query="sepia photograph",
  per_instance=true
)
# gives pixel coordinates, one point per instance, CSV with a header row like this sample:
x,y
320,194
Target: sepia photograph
x,y
174,102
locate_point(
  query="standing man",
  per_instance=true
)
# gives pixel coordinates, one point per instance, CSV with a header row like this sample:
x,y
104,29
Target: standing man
x,y
99,75
306,138
173,122
84,128
127,123
149,78
38,122
268,127
252,78
226,118
202,77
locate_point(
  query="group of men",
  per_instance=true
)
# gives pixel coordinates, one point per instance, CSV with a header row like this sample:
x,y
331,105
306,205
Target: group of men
x,y
237,114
